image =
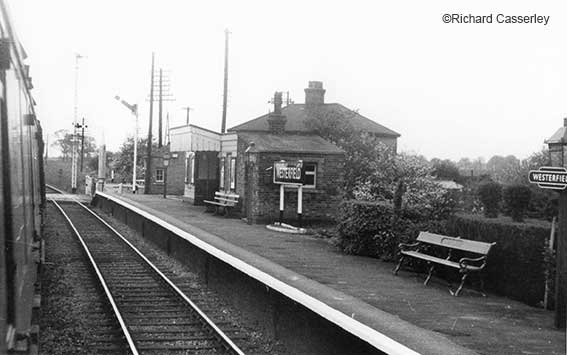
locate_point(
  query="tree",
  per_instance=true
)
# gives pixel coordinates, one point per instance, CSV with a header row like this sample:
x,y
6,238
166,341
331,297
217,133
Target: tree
x,y
517,200
405,179
445,169
503,169
361,148
64,142
490,194
124,159
533,162
465,166
478,166
373,170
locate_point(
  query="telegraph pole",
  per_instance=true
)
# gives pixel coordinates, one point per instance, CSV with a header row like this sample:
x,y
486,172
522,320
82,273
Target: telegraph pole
x,y
167,128
160,108
161,83
224,98
148,176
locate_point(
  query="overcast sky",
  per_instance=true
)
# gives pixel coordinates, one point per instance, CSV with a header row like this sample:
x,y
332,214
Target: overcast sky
x,y
451,90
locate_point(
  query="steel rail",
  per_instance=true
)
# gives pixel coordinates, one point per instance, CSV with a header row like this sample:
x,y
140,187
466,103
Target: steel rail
x,y
59,191
223,337
372,336
102,281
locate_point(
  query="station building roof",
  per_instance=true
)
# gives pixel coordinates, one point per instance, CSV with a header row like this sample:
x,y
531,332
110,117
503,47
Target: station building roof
x,y
289,143
297,116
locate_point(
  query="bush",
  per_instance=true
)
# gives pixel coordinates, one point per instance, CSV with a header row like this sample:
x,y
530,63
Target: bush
x,y
490,194
543,203
373,229
517,264
517,199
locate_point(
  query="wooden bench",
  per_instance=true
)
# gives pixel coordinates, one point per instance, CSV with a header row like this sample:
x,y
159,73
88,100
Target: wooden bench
x,y
465,265
223,201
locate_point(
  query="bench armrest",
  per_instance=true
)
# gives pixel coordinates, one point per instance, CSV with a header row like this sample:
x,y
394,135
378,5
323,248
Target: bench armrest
x,y
403,246
464,262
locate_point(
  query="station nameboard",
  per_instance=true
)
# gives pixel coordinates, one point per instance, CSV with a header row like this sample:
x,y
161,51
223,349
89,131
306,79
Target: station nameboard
x,y
549,177
291,173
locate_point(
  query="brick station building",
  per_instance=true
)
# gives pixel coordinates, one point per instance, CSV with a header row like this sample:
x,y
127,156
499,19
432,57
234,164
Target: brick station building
x,y
246,153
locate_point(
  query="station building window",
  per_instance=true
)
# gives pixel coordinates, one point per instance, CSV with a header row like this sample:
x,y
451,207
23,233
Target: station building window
x,y
159,175
310,175
233,173
221,177
186,180
189,169
192,169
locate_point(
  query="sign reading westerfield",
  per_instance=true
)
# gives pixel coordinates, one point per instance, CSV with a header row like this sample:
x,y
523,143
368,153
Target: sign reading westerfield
x,y
549,177
288,172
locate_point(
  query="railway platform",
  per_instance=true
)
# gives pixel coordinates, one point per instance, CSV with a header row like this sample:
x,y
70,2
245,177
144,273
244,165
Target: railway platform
x,y
425,319
68,197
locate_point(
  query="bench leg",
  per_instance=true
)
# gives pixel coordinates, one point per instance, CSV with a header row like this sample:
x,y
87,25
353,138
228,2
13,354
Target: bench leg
x,y
431,268
399,266
482,290
461,285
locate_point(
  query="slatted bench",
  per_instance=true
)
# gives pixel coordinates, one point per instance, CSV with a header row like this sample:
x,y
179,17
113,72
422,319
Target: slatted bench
x,y
224,201
465,265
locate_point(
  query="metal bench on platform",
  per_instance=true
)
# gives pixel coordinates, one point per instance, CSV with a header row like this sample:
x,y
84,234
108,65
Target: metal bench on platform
x,y
224,201
465,265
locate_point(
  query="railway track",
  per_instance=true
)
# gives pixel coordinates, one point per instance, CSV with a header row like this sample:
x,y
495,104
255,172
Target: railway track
x,y
53,190
155,316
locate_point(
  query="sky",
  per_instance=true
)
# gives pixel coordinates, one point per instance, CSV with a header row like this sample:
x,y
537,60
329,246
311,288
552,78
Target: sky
x,y
451,90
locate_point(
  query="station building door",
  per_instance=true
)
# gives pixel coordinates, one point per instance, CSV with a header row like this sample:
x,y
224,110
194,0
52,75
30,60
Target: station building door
x,y
206,179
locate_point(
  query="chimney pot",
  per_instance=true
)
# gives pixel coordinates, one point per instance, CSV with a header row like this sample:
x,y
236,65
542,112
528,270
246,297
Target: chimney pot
x,y
314,93
278,103
276,120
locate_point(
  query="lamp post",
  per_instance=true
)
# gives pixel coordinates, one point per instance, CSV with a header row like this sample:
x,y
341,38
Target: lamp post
x,y
134,110
557,151
166,158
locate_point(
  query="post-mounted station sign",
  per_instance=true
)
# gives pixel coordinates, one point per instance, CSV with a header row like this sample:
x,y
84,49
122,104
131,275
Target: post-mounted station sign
x,y
291,173
549,177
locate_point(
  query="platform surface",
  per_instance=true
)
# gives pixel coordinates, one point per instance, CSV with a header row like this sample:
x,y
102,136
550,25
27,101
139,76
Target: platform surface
x,y
68,197
400,307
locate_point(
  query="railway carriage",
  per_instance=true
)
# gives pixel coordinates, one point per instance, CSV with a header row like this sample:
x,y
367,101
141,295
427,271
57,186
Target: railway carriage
x,y
21,191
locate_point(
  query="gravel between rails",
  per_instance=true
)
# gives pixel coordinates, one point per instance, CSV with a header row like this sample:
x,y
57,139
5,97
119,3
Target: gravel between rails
x,y
230,320
74,316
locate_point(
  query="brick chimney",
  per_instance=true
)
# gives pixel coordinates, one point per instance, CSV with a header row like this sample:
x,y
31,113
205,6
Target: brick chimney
x,y
276,120
315,94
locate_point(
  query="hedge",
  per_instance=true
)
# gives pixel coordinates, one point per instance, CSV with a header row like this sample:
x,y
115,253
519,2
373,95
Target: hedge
x,y
516,265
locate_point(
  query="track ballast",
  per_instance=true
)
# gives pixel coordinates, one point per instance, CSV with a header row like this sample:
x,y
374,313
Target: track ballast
x,y
156,317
